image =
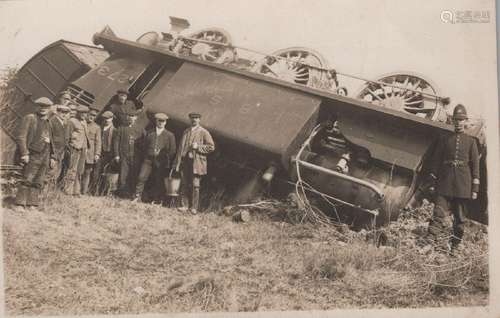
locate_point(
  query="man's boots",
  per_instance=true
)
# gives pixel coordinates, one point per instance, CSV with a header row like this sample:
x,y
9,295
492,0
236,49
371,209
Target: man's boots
x,y
196,200
22,194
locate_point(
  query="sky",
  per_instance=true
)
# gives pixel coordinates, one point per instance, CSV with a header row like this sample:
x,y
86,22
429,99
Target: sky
x,y
363,38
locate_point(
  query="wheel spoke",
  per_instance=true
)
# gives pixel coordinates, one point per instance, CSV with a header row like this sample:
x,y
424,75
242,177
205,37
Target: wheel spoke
x,y
384,90
374,94
213,57
270,69
417,102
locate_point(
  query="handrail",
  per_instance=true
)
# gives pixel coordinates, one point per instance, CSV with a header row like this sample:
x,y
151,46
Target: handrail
x,y
441,98
360,182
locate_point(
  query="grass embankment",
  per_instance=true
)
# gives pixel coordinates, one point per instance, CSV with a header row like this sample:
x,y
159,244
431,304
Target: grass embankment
x,y
102,255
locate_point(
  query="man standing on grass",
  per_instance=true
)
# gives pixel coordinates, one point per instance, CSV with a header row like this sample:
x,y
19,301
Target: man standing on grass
x,y
455,168
160,150
107,131
191,159
126,150
93,153
58,123
35,148
78,144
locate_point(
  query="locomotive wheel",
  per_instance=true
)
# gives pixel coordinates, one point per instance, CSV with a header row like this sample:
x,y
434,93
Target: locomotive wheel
x,y
288,64
149,38
206,51
405,93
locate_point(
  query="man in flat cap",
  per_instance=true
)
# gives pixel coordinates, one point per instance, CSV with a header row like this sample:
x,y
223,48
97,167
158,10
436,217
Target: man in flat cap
x,y
58,122
191,159
72,106
93,153
77,133
121,107
160,151
126,150
35,148
455,168
105,161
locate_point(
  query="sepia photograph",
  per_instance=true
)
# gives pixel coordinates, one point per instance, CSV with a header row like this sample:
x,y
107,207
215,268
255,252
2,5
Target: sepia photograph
x,y
262,158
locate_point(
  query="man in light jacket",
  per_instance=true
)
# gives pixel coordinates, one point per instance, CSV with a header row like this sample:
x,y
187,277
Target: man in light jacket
x,y
57,122
191,159
93,153
78,145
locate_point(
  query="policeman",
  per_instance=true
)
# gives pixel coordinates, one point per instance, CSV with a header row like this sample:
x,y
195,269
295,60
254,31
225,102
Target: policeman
x,y
35,148
121,107
455,168
93,152
58,124
160,151
78,144
196,143
126,150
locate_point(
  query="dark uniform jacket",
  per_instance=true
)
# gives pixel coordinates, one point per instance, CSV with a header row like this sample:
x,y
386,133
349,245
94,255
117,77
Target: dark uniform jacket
x,y
120,111
127,140
455,164
59,136
107,138
160,148
32,132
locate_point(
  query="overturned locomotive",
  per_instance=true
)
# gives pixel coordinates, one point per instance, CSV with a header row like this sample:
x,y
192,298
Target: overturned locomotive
x,y
281,121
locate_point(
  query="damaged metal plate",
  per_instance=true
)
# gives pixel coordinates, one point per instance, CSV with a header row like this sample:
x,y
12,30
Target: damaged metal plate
x,y
265,116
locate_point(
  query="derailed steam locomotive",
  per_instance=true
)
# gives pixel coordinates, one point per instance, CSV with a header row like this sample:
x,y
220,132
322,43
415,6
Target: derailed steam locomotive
x,y
281,119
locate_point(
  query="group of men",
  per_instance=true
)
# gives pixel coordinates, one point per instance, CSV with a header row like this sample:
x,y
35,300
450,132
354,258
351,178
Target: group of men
x,y
62,147
65,142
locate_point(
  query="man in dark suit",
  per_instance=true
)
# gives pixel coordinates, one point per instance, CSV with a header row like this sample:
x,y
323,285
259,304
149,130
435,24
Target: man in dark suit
x,y
126,149
57,122
121,107
105,162
34,141
160,150
455,168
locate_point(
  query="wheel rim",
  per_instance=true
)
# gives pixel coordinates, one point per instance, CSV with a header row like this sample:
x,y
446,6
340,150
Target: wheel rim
x,y
291,64
149,38
405,92
206,51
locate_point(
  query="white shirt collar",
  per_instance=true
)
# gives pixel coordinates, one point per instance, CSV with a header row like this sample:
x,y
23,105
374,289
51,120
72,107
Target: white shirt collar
x,y
159,130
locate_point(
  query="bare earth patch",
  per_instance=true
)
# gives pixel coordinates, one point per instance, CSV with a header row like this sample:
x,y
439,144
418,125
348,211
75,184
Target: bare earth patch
x,y
103,255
